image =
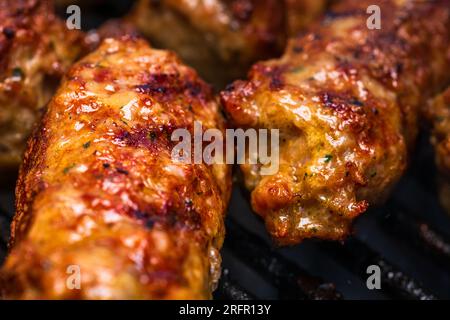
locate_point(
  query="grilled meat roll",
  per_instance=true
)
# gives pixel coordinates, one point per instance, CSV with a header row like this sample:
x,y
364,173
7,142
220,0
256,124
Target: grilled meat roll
x,y
99,192
219,38
346,101
222,38
438,112
302,13
36,49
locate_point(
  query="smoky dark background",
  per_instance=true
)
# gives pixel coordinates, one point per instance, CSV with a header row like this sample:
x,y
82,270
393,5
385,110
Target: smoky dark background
x,y
408,237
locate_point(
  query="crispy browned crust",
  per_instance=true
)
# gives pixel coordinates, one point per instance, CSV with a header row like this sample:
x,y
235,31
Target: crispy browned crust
x,y
35,50
438,112
220,38
98,188
345,99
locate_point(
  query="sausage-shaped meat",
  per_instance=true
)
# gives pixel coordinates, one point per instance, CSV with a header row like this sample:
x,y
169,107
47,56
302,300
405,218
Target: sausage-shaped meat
x,y
36,49
346,99
99,193
222,38
438,112
219,38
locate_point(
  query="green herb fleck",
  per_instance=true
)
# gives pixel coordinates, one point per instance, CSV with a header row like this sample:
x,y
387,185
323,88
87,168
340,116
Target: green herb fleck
x,y
373,174
86,145
100,65
152,136
297,69
356,102
17,73
67,169
328,158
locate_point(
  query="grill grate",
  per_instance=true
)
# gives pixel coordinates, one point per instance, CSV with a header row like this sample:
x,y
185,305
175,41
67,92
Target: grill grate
x,y
408,238
428,240
291,281
229,290
356,256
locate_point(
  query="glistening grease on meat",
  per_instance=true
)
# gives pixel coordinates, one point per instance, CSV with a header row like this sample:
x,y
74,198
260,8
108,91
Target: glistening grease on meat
x,y
99,193
346,99
438,113
36,49
219,38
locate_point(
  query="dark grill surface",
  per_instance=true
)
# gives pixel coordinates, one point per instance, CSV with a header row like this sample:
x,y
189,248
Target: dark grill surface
x,y
408,238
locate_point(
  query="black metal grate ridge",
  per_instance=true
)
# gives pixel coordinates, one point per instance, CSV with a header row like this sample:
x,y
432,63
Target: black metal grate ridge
x,y
230,290
291,280
4,233
356,256
431,242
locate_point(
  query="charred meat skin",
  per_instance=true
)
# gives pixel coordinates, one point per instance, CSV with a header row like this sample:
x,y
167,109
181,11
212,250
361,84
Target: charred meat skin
x,y
219,38
438,112
98,188
36,49
346,100
222,38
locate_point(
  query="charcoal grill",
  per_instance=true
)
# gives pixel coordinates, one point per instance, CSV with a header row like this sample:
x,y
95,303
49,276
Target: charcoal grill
x,y
408,238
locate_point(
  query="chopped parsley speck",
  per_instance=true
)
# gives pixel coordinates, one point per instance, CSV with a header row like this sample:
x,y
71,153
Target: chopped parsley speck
x,y
17,73
152,136
356,102
328,158
297,69
68,168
